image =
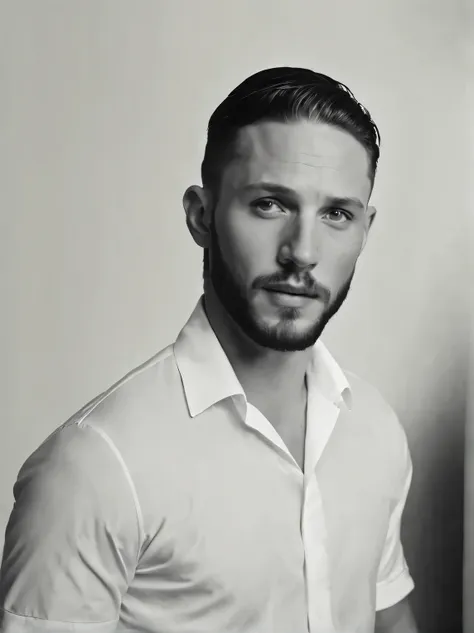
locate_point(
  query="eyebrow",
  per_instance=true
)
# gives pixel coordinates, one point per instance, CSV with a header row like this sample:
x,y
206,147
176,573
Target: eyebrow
x,y
271,187
350,201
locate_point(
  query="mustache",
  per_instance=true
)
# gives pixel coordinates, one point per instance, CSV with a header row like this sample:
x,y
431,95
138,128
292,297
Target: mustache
x,y
294,284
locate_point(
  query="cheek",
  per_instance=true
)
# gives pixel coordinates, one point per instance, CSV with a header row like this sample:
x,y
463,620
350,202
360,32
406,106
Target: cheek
x,y
245,250
338,259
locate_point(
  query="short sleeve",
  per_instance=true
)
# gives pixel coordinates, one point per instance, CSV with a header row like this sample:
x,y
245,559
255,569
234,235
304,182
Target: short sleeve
x,y
393,580
72,540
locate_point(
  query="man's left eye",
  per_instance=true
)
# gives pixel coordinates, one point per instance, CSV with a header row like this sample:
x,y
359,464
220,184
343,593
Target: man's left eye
x,y
338,215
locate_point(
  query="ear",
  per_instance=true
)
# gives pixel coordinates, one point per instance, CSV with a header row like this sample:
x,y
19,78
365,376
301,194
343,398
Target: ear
x,y
197,205
371,213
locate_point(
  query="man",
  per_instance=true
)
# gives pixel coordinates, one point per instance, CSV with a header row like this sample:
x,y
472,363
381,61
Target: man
x,y
239,481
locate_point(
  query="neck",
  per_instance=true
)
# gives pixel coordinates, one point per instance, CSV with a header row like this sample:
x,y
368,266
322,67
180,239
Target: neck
x,y
263,373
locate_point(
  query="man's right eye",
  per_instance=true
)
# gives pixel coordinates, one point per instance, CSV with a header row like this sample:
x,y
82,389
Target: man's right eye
x,y
268,207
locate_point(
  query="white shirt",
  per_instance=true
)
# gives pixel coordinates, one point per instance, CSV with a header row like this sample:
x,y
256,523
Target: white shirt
x,y
170,504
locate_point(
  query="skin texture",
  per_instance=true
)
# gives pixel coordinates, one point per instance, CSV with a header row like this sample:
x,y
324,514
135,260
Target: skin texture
x,y
293,207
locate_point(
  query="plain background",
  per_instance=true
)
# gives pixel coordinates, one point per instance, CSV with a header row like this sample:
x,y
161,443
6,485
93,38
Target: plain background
x,y
104,109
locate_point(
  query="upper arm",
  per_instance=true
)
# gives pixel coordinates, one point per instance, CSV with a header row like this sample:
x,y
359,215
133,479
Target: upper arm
x,y
396,619
72,541
393,579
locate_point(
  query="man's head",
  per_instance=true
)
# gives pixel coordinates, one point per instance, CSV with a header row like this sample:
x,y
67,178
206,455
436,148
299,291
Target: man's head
x,y
287,174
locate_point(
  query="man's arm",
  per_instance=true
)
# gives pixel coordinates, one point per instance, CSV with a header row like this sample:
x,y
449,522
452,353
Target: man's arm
x,y
396,619
72,541
394,583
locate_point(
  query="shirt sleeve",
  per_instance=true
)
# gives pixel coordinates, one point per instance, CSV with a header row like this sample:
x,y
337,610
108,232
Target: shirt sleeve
x,y
72,540
393,580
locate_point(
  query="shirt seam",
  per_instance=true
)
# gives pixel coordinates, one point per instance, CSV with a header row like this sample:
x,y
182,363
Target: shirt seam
x,y
118,455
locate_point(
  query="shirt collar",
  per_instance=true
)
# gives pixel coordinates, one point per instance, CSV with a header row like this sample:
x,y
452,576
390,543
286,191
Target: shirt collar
x,y
208,376
327,376
206,373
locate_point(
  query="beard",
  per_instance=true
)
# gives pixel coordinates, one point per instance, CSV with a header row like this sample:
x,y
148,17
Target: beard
x,y
283,336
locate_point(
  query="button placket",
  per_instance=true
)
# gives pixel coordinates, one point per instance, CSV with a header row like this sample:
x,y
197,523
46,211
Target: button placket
x,y
322,417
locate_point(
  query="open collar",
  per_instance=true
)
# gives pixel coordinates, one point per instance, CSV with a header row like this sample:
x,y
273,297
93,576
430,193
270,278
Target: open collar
x,y
208,376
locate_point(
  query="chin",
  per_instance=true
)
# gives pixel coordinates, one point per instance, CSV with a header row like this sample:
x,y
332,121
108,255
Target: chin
x,y
295,319
284,336
287,344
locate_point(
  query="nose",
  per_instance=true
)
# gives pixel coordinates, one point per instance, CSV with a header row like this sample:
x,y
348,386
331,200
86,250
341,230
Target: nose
x,y
299,245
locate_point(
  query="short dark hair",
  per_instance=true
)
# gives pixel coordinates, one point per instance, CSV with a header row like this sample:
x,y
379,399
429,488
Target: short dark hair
x,y
285,94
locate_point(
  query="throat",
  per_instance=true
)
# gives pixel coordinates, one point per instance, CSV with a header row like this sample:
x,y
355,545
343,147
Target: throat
x,y
294,437
289,421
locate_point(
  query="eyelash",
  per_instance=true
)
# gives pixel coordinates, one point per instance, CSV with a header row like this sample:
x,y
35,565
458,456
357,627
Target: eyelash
x,y
346,214
255,205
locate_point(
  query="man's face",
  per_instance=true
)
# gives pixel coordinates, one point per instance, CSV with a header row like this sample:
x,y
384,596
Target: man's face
x,y
291,216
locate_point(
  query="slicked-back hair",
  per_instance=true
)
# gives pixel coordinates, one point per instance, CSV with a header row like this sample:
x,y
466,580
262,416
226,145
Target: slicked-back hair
x,y
285,94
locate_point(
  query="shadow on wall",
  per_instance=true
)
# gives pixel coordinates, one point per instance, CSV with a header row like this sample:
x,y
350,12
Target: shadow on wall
x,y
432,530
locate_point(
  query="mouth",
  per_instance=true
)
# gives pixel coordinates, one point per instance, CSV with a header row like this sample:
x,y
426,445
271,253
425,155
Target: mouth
x,y
290,290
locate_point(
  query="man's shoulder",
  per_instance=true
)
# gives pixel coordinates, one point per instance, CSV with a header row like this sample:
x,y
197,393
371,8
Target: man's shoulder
x,y
139,387
371,409
121,427
384,435
136,405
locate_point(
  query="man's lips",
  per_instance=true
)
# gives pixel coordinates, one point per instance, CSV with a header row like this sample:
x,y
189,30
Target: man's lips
x,y
291,290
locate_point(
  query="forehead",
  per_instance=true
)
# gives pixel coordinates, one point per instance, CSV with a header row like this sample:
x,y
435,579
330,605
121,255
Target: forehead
x,y
307,156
